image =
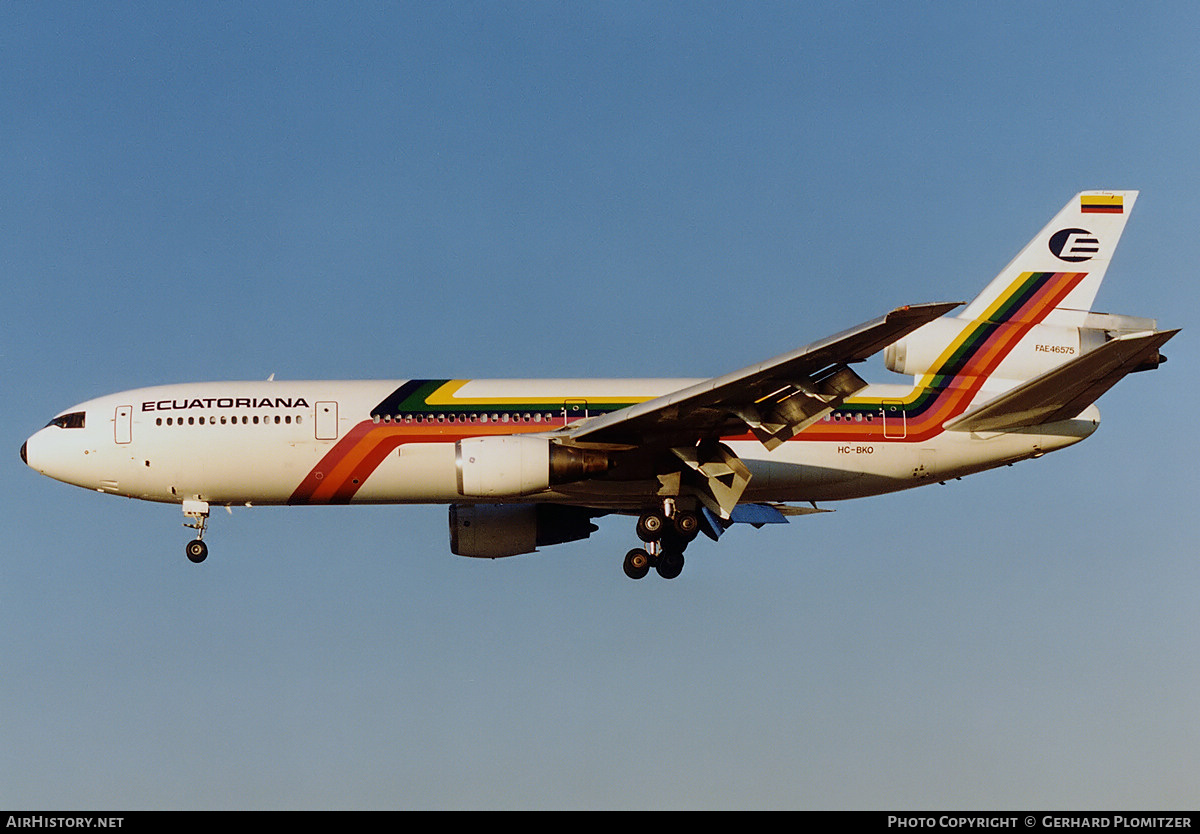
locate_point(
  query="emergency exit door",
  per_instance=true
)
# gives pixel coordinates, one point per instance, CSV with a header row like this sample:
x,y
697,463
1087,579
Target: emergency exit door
x,y
574,410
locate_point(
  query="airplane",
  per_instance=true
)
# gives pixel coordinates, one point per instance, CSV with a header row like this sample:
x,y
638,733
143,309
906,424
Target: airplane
x,y
525,463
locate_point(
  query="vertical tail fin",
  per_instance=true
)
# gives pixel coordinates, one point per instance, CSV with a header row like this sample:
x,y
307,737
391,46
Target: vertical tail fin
x,y
1034,315
1077,244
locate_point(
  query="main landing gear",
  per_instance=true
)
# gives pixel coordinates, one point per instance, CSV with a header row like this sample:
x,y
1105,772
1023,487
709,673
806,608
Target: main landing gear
x,y
666,535
196,549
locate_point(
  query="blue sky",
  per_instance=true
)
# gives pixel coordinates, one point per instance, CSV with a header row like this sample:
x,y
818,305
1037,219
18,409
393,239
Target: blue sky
x,y
228,191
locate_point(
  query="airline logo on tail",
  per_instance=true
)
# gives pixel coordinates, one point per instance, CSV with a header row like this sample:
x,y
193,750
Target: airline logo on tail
x,y
1074,245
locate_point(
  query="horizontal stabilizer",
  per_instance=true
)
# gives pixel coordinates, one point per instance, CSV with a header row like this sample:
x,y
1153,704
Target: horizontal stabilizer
x,y
1065,391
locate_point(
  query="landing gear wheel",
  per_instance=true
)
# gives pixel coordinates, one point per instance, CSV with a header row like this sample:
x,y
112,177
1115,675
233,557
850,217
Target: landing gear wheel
x,y
687,525
670,564
197,551
650,526
195,509
637,563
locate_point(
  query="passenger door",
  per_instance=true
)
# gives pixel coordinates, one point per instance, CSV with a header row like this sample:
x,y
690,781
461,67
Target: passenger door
x,y
327,420
123,424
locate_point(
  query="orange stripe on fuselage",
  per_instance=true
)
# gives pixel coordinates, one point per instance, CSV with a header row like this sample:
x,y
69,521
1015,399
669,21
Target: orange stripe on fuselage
x,y
342,471
344,468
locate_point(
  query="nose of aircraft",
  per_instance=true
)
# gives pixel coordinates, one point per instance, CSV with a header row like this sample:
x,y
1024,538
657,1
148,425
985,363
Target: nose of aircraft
x,y
32,452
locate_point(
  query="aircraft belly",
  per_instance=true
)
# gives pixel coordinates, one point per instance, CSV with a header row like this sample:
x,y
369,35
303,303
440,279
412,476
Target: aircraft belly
x,y
813,471
241,471
810,471
148,470
413,473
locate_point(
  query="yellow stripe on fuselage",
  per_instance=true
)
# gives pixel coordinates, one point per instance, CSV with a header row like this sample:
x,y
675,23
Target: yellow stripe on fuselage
x,y
448,395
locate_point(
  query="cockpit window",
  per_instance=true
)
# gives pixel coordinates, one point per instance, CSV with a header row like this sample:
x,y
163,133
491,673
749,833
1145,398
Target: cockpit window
x,y
74,420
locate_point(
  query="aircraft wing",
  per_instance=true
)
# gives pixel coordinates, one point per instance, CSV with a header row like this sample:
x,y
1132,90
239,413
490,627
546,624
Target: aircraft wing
x,y
1065,391
773,399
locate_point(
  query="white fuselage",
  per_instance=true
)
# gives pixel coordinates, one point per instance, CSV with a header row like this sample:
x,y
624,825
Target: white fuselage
x,y
317,442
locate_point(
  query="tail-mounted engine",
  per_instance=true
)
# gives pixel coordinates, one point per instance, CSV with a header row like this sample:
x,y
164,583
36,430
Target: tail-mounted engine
x,y
1043,347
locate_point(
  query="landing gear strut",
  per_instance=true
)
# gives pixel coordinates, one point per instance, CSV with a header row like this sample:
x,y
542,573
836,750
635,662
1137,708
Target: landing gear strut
x,y
197,550
666,535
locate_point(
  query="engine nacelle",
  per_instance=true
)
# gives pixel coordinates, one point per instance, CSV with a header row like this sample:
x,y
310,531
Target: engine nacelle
x,y
498,467
492,531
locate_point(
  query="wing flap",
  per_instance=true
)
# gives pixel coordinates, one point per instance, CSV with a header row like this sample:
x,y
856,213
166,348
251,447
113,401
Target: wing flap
x,y
1065,391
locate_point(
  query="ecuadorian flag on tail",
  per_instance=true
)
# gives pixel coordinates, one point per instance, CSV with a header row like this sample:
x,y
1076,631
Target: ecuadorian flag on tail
x,y
1102,204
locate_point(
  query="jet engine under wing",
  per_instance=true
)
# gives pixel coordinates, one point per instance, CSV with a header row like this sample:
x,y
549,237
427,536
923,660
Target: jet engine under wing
x,y
1065,391
773,399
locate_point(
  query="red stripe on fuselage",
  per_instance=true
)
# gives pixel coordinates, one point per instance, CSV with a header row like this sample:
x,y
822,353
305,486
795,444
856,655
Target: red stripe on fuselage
x,y
966,384
344,468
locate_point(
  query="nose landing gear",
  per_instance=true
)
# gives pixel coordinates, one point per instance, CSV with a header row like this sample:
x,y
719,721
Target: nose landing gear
x,y
196,549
